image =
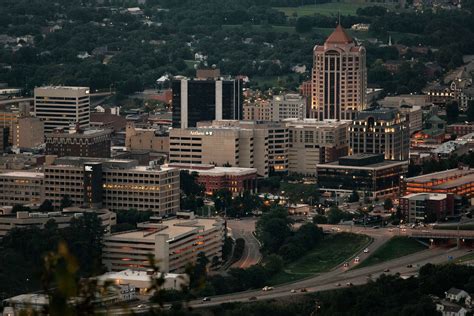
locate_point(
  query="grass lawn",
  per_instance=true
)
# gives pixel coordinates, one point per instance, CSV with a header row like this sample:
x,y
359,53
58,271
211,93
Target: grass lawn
x,y
465,258
396,247
330,8
333,250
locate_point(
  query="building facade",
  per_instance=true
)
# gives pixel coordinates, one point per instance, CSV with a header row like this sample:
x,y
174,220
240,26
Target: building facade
x,y
206,100
312,142
288,106
21,187
339,78
456,181
150,139
174,244
113,184
380,130
246,144
63,219
28,132
427,207
369,174
59,106
77,142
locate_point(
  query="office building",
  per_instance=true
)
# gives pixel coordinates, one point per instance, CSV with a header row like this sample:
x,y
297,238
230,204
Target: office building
x,y
149,139
457,181
258,110
21,187
78,142
62,219
427,207
380,130
4,135
312,142
235,179
368,174
288,106
112,183
339,79
174,244
59,106
28,132
196,100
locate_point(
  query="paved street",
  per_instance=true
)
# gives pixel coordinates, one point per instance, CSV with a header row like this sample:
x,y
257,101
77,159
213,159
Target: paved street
x,y
243,229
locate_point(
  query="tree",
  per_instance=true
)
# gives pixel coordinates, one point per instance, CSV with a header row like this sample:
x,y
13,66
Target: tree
x,y
354,197
304,24
470,111
452,111
66,202
320,219
46,206
388,204
273,228
20,208
335,215
273,264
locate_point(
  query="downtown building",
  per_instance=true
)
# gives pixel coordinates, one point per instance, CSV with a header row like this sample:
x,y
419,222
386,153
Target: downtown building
x,y
196,100
59,106
112,183
380,131
173,243
339,78
245,144
313,142
281,107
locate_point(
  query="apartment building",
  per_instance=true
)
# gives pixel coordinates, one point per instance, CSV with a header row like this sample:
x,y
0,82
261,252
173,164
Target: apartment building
x,y
427,207
173,244
312,142
112,183
280,107
380,130
21,187
59,106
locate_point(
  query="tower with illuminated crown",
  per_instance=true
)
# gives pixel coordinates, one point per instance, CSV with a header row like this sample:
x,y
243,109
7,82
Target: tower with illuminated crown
x,y
339,78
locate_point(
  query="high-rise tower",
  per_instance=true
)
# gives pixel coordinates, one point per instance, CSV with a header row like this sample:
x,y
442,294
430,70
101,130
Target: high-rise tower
x,y
339,79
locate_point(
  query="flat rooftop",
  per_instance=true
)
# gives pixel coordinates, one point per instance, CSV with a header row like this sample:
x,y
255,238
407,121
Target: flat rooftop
x,y
174,228
23,174
456,182
446,174
134,275
211,170
423,196
379,165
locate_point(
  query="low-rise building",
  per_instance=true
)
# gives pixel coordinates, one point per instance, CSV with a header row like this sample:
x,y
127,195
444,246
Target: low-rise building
x,y
21,187
460,129
369,174
313,142
235,179
141,281
79,143
63,219
427,207
173,244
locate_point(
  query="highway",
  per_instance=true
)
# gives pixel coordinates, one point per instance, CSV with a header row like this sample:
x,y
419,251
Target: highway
x,y
243,229
340,275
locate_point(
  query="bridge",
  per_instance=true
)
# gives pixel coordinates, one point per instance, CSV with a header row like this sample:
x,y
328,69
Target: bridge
x,y
442,234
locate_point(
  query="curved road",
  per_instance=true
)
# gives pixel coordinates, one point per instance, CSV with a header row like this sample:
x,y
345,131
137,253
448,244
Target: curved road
x,y
244,229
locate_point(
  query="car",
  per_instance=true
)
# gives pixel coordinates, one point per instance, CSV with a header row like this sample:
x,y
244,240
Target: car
x,y
303,290
390,229
252,298
206,299
293,291
409,266
386,270
356,260
338,284
366,250
346,264
375,227
267,288
141,306
349,284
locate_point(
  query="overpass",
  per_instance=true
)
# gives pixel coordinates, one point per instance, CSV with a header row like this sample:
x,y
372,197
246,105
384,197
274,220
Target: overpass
x,y
442,234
